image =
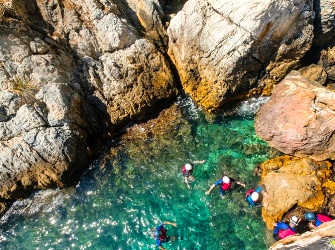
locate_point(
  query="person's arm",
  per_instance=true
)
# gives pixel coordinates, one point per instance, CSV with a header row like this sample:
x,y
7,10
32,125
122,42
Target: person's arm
x,y
311,225
280,225
170,223
199,162
186,180
210,189
161,248
240,183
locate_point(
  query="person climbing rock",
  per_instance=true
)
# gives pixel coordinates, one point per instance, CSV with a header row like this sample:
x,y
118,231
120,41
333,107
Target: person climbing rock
x,y
283,229
255,196
225,184
187,171
159,234
316,220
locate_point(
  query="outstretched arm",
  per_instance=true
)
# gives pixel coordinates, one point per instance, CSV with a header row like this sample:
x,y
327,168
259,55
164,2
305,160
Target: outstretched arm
x,y
210,189
202,161
240,183
170,223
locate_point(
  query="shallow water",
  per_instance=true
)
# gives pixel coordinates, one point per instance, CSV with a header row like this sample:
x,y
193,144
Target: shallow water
x,y
132,189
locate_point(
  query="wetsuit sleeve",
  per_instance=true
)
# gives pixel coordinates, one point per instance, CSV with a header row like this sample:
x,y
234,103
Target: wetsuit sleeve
x,y
158,242
218,182
232,180
280,225
252,203
317,222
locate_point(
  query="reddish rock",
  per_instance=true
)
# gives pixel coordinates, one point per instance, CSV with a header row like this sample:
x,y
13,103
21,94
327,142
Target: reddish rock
x,y
299,119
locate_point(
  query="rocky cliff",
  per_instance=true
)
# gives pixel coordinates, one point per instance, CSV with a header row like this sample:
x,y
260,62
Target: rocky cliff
x,y
74,73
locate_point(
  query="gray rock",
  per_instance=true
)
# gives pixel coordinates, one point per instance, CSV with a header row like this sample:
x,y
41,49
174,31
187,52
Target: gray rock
x,y
220,48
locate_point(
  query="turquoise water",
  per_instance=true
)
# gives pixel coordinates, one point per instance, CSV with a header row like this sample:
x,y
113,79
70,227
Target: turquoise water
x,y
138,184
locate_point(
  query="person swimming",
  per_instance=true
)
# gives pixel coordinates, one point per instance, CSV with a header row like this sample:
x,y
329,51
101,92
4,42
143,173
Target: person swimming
x,y
159,234
225,184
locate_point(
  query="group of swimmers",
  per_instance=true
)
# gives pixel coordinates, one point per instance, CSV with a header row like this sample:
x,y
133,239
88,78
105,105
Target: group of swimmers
x,y
254,197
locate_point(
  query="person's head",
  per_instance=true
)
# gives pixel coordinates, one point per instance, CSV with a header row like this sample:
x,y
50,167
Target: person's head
x,y
294,221
254,196
157,234
226,179
310,216
188,167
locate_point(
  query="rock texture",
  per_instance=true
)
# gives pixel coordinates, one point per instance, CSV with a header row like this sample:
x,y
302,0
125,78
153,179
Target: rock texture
x,y
324,21
292,182
222,48
320,238
299,119
72,73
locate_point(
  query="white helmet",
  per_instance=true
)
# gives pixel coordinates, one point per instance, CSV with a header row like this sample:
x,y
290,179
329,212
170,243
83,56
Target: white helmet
x,y
255,196
226,179
294,220
188,167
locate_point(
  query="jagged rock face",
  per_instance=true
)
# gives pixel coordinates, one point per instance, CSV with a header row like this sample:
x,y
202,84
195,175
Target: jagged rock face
x,y
327,61
299,119
132,81
320,238
78,55
220,48
42,144
324,21
292,182
43,138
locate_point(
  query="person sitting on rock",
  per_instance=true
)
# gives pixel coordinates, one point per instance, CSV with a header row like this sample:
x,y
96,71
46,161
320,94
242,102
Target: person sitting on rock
x,y
316,220
187,171
225,184
255,196
159,234
283,229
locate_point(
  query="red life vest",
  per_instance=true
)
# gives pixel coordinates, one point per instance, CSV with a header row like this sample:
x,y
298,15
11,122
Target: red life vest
x,y
186,172
249,192
323,218
226,186
285,233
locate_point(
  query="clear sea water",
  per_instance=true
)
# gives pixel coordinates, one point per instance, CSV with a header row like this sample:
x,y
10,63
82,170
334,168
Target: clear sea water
x,y
135,186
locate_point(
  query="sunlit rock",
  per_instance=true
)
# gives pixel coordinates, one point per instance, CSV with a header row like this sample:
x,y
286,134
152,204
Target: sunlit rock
x,y
221,48
324,21
291,182
299,119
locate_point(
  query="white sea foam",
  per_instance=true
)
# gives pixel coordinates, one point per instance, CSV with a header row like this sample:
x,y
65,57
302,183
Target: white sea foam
x,y
251,106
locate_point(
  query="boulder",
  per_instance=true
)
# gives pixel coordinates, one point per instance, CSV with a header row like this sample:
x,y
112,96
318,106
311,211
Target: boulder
x,y
292,182
299,119
222,48
132,82
42,145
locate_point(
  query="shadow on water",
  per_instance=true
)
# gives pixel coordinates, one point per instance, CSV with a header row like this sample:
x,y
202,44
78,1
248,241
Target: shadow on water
x,y
139,184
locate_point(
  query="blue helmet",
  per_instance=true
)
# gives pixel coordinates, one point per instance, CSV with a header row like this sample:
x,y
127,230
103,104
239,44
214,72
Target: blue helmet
x,y
310,216
157,234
